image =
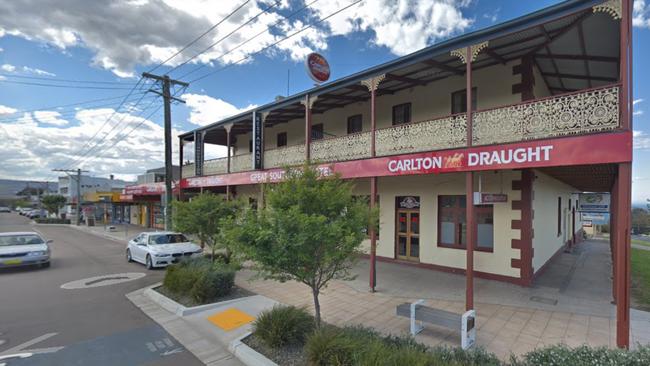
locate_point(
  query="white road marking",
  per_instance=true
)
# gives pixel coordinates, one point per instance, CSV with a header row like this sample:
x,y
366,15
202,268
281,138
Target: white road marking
x,y
17,355
168,342
22,346
151,347
104,280
171,352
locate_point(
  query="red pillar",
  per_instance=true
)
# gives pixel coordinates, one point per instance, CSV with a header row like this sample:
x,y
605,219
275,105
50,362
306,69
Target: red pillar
x,y
373,189
307,103
228,127
469,192
622,190
622,249
180,173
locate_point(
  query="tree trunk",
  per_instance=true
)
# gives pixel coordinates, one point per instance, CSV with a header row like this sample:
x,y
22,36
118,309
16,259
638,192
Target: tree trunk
x,y
315,293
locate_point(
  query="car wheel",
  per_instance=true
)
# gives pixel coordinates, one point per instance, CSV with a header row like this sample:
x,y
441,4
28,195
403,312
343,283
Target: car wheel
x,y
149,263
128,256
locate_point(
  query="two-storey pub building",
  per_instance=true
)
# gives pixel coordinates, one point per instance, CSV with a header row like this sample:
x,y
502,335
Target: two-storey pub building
x,y
474,149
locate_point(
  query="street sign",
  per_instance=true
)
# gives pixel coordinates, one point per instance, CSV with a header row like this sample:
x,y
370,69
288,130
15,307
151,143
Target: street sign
x,y
317,67
593,202
482,198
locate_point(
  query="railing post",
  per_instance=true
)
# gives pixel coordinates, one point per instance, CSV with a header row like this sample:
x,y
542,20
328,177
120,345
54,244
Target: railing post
x,y
467,55
372,84
308,102
228,127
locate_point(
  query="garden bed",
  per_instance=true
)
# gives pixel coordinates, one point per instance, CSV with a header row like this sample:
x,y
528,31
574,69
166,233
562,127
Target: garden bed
x,y
291,355
188,301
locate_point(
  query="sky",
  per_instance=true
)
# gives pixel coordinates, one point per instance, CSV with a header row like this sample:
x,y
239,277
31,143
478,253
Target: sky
x,y
118,129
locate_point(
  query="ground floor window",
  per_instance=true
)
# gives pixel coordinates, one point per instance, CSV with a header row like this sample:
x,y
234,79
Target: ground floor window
x,y
452,223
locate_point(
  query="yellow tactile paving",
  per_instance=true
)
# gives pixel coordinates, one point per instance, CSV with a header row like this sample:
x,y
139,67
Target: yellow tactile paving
x,y
230,319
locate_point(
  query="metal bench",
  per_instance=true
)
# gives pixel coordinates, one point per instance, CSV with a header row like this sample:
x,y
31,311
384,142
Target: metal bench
x,y
419,314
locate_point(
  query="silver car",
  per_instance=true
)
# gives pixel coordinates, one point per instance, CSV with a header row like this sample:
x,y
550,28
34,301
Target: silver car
x,y
24,249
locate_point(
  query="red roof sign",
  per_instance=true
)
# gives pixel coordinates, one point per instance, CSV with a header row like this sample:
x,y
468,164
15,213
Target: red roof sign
x,y
317,67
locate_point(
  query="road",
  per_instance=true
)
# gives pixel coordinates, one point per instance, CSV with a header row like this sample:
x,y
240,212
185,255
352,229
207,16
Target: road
x,y
95,326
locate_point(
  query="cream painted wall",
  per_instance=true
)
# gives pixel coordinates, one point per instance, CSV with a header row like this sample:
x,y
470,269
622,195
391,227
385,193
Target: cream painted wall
x,y
540,89
494,88
546,240
428,187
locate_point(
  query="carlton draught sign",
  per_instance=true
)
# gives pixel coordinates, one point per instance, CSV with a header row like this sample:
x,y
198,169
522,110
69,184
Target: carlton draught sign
x,y
565,151
317,67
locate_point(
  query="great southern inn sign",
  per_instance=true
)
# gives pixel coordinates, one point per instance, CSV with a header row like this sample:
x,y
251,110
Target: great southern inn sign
x,y
579,150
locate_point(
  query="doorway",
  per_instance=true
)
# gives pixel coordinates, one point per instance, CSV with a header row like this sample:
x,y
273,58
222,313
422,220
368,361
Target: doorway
x,y
407,241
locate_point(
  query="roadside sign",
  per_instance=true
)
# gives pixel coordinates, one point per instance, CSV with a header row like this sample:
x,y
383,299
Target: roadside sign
x,y
317,67
592,216
593,202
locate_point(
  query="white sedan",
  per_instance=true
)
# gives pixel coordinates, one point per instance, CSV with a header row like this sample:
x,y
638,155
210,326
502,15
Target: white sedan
x,y
24,249
160,249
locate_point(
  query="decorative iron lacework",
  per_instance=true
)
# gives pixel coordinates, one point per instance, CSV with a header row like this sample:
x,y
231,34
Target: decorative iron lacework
x,y
284,156
592,111
215,166
611,7
475,50
443,133
240,163
349,147
188,170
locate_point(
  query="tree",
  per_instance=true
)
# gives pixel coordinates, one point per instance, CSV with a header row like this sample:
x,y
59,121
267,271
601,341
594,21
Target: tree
x,y
640,220
53,203
205,216
310,231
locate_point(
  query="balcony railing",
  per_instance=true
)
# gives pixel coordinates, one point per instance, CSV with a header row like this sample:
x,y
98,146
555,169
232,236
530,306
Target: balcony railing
x,y
284,156
570,114
576,113
348,147
437,134
215,166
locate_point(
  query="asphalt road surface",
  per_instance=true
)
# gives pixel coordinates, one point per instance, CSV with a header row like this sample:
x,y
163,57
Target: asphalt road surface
x,y
44,324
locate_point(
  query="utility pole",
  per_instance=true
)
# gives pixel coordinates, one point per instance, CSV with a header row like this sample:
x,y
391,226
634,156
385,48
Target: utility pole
x,y
167,99
78,171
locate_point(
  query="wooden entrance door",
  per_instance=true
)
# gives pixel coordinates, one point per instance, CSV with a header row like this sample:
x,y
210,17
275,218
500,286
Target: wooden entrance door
x,y
408,234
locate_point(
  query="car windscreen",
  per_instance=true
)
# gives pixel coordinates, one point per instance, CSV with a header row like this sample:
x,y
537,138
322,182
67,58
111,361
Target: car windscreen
x,y
26,239
167,239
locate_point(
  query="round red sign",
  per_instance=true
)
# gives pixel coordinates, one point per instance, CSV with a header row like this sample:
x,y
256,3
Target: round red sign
x,y
317,67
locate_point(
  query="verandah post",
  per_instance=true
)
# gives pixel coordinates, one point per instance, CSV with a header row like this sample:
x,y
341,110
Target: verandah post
x,y
469,192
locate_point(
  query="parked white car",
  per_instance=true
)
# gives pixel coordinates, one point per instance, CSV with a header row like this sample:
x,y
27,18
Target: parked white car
x,y
160,249
24,249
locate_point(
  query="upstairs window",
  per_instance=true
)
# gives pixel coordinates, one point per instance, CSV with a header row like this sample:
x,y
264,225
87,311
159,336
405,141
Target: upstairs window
x,y
459,101
317,131
250,146
401,113
355,124
282,139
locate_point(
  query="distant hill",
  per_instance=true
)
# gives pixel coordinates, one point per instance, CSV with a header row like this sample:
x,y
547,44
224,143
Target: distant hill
x,y
9,187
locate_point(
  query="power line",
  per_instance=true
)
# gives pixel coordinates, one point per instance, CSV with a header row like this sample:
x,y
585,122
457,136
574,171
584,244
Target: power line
x,y
73,104
66,114
53,79
201,36
62,86
224,37
252,38
279,41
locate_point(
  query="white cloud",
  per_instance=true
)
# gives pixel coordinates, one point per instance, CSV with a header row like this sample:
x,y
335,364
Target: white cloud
x,y
641,140
403,26
205,109
33,149
8,68
7,110
637,112
36,71
641,14
50,118
140,32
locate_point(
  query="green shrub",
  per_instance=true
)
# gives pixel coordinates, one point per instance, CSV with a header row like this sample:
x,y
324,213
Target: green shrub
x,y
283,325
330,347
200,279
212,284
585,355
51,220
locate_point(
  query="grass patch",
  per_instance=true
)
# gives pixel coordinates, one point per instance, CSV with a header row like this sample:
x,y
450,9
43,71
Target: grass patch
x,y
641,279
641,242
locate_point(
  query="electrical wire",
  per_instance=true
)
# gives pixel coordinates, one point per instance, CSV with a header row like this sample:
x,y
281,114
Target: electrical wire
x,y
225,37
201,36
62,86
251,38
53,79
